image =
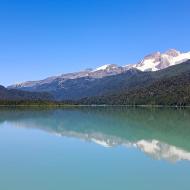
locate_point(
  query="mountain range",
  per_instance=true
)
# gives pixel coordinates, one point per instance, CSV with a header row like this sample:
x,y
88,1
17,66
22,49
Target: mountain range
x,y
170,86
113,82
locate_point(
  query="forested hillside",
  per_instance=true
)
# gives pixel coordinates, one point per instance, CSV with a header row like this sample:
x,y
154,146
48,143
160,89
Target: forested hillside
x,y
168,87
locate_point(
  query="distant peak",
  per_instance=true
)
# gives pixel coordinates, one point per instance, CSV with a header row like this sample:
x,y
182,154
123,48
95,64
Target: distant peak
x,y
172,52
153,55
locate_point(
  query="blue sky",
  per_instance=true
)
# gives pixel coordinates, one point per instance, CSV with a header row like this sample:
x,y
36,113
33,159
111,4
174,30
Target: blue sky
x,y
41,38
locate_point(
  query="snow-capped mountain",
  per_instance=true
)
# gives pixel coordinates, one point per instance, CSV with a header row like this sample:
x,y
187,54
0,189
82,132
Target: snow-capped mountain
x,y
94,82
153,62
158,61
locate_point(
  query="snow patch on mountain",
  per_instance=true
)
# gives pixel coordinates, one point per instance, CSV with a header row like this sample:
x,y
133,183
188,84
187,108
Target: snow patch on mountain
x,y
104,67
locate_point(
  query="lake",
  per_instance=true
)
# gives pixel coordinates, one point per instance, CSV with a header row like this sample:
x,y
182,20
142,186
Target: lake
x,y
94,148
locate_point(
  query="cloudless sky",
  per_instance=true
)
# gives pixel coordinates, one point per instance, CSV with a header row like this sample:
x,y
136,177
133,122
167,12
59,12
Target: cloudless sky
x,y
41,38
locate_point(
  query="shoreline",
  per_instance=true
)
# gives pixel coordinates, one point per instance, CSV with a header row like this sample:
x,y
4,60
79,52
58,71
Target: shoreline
x,y
57,105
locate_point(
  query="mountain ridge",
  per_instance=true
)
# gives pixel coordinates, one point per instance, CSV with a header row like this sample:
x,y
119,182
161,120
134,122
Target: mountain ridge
x,y
152,62
112,79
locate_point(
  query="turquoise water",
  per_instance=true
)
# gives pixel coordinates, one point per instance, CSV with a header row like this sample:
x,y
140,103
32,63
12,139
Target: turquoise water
x,y
97,148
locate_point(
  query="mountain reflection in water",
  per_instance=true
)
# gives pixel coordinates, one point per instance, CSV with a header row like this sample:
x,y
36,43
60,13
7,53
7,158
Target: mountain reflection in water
x,y
160,133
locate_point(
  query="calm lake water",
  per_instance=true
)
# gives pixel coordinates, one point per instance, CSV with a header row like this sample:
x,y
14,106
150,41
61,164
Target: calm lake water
x,y
97,148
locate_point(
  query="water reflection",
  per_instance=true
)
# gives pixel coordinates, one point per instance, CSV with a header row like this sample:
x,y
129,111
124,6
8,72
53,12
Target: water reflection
x,y
160,133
